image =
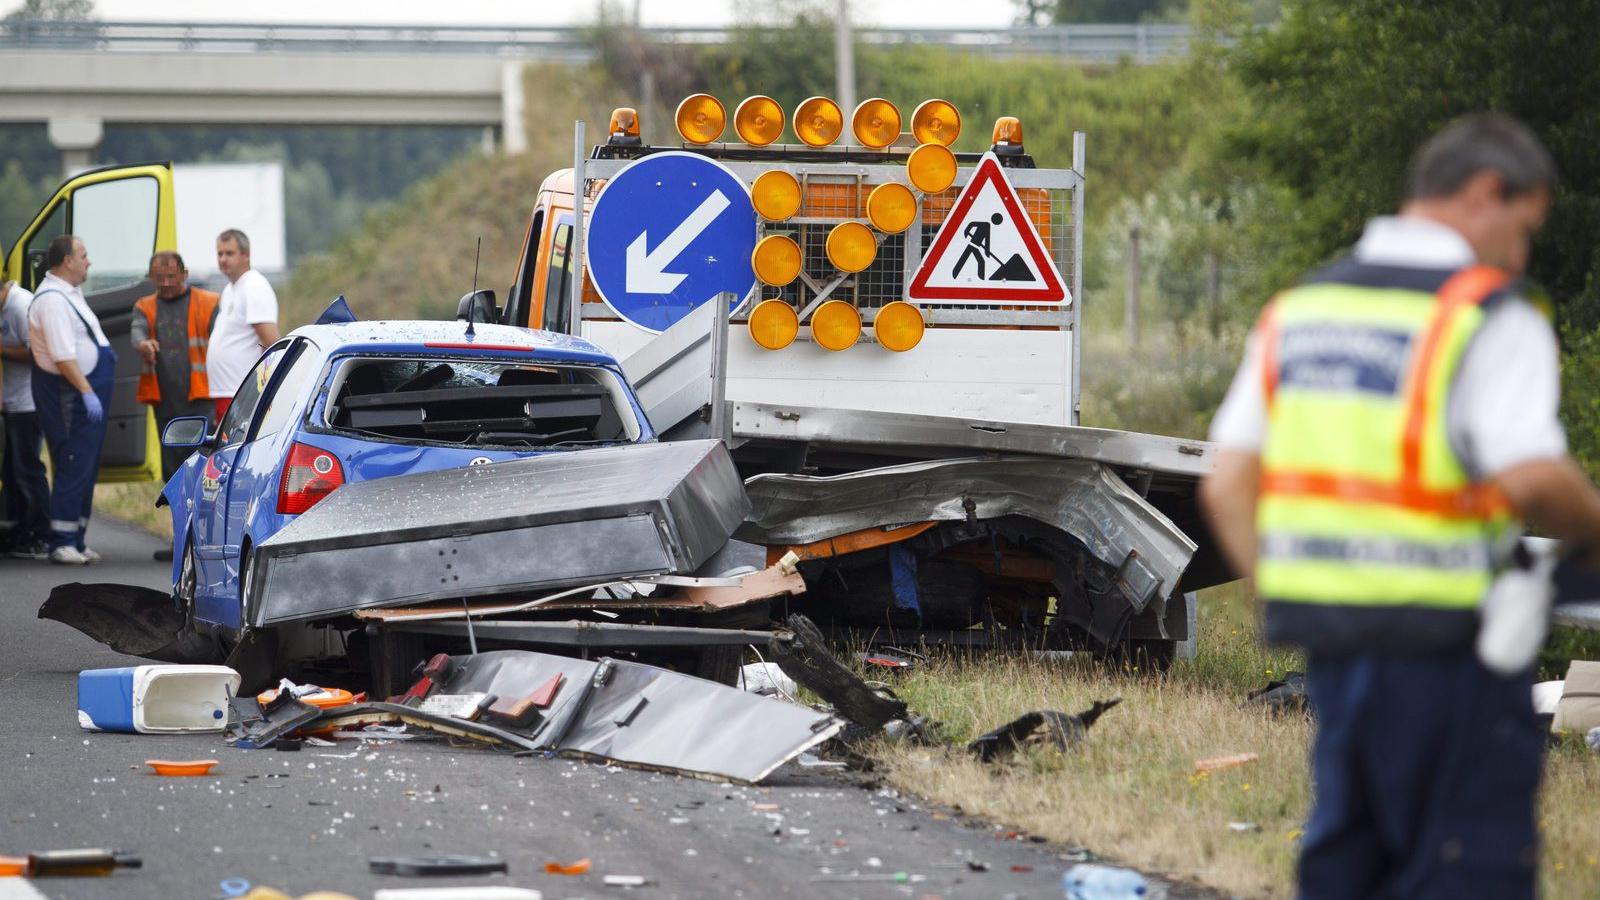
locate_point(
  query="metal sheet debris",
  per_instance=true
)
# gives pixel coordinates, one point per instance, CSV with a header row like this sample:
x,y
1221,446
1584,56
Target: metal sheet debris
x,y
636,715
596,515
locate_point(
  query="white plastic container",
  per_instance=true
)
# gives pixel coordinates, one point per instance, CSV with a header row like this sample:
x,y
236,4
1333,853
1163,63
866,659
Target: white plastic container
x,y
156,699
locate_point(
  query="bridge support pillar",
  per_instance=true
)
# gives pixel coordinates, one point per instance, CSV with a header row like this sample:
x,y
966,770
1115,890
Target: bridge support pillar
x,y
77,137
512,133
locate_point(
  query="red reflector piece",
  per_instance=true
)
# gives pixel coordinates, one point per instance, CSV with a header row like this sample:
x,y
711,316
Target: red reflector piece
x,y
546,694
463,345
309,474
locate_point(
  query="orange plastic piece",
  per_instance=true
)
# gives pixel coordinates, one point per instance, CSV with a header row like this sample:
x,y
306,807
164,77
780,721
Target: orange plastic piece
x,y
1218,763
855,541
329,698
13,865
577,868
188,768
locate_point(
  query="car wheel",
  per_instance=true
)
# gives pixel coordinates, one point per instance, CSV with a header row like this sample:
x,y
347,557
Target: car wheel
x,y
183,593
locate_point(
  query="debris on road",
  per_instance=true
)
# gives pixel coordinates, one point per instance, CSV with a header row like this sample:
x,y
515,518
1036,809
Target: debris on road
x,y
1283,697
807,658
1092,881
577,868
767,679
155,699
1579,708
474,892
253,725
1061,729
1219,763
625,880
420,866
72,863
129,619
184,768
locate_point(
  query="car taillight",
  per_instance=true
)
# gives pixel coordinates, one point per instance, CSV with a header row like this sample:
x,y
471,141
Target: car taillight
x,y
309,474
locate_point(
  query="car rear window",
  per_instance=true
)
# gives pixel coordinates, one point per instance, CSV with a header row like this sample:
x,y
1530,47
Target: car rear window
x,y
480,403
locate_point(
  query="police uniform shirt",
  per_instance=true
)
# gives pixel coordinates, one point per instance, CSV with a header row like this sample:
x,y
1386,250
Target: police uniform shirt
x,y
1503,404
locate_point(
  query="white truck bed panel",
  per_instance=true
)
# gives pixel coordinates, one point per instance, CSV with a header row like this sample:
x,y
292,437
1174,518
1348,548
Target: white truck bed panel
x,y
966,373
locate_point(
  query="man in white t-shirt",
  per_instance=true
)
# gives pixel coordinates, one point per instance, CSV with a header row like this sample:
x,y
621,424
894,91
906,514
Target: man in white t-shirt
x,y
247,320
75,369
24,492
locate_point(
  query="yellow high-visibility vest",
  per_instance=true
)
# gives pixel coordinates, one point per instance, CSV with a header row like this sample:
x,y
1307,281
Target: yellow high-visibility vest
x,y
1372,533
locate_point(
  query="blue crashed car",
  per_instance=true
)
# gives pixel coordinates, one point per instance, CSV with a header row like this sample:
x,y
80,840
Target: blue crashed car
x,y
332,404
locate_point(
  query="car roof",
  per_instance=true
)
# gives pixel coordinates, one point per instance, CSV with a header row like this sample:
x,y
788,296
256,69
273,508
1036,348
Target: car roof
x,y
414,335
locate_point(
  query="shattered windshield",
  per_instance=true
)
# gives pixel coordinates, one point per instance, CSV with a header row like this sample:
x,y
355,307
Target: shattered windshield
x,y
481,403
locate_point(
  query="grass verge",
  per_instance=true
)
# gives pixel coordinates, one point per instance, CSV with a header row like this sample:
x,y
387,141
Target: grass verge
x,y
134,503
1132,794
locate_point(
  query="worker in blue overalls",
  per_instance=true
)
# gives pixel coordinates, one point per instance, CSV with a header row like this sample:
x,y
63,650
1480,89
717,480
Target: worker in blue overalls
x,y
1393,420
72,381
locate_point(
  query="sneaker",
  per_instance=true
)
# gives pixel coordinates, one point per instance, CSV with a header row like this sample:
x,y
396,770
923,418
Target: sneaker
x,y
162,555
68,556
31,550
89,555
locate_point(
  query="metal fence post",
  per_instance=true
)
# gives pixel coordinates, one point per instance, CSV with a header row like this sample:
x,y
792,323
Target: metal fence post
x,y
580,150
1131,308
719,367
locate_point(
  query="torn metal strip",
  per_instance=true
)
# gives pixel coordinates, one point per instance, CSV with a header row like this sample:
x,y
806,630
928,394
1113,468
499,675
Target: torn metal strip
x,y
1083,499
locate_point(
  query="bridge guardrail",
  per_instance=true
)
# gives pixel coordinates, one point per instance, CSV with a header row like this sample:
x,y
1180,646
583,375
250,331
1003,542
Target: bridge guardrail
x,y
1084,43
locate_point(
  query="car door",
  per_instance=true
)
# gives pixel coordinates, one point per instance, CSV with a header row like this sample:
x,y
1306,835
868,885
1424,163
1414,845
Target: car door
x,y
124,214
221,500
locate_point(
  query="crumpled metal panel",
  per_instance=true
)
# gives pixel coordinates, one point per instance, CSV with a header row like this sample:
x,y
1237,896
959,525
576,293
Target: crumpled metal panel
x,y
1085,499
561,519
648,717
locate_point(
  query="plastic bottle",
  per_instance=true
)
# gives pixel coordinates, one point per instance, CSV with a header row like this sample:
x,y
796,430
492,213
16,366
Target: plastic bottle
x,y
1087,881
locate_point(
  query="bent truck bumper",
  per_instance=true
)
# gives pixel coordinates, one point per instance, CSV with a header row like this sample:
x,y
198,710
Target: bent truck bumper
x,y
523,526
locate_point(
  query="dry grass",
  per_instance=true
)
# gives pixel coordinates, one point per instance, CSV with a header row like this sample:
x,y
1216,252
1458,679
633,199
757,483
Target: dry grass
x,y
1132,793
134,503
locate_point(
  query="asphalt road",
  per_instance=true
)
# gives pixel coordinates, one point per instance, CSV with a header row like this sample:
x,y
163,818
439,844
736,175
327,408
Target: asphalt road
x,y
310,820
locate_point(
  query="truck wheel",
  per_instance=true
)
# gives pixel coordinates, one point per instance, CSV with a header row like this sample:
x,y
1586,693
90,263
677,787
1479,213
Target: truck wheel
x,y
394,656
719,664
1150,655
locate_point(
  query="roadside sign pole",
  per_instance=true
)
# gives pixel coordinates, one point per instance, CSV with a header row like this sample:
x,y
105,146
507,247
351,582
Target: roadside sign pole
x,y
1078,141
575,257
719,367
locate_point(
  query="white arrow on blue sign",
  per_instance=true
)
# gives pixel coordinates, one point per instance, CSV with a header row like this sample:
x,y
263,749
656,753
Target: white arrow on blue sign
x,y
669,232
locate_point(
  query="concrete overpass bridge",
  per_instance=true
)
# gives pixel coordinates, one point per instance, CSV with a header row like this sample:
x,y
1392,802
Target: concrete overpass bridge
x,y
77,77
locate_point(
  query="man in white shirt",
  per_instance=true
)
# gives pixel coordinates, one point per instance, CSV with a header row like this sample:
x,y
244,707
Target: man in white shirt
x,y
75,371
24,491
247,320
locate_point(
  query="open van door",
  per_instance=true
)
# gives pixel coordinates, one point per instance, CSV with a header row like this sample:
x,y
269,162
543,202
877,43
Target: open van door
x,y
123,214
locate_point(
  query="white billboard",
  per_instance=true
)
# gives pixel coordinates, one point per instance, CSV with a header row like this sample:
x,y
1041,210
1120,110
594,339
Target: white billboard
x,y
213,197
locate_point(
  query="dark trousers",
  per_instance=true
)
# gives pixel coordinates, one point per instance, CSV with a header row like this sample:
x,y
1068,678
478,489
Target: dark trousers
x,y
24,492
1425,772
74,444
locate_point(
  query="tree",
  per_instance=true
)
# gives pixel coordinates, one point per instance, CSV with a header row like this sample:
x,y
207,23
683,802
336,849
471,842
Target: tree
x,y
55,11
1346,90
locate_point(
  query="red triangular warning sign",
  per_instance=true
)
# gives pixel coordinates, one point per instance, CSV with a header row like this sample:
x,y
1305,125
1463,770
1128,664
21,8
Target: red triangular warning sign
x,y
987,250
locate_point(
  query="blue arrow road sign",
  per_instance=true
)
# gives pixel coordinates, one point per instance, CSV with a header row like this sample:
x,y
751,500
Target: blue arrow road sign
x,y
668,233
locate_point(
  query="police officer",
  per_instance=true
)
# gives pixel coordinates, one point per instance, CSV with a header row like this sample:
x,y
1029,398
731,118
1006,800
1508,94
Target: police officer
x,y
1394,415
75,370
